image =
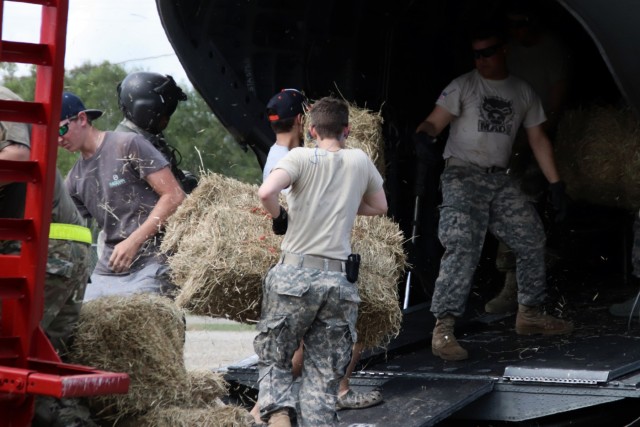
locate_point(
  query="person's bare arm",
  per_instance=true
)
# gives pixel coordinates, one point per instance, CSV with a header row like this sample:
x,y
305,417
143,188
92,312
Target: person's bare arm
x,y
171,196
436,121
543,152
16,153
270,189
557,100
373,204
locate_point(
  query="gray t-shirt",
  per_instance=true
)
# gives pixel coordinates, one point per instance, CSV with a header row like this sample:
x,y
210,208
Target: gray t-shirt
x,y
326,191
488,114
110,187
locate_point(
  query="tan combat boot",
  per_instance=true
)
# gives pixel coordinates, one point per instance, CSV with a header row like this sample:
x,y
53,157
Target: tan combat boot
x,y
507,300
280,419
532,320
443,342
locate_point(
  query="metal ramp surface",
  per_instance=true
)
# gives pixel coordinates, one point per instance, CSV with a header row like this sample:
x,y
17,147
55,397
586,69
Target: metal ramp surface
x,y
417,402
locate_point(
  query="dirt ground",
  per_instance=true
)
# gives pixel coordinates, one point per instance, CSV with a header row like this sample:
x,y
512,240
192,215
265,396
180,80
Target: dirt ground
x,y
215,343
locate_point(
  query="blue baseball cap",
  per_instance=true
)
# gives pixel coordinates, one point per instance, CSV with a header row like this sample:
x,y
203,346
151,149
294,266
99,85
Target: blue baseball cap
x,y
72,106
286,104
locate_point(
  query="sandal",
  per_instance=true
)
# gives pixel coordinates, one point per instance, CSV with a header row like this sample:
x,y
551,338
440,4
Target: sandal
x,y
354,400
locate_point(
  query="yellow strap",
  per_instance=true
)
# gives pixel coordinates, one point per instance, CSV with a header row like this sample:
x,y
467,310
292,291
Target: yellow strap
x,y
77,233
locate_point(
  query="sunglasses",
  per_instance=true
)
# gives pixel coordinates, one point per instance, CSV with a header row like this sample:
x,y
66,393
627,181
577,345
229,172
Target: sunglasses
x,y
487,52
62,130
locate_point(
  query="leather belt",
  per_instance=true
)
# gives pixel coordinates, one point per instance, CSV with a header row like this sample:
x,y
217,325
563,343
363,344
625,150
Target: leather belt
x,y
452,161
311,261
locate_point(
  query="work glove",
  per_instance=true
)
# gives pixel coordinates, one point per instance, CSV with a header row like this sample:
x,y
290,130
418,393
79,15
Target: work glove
x,y
426,148
559,200
189,182
280,222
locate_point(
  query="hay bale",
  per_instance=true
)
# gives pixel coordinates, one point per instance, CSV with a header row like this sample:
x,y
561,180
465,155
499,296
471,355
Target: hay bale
x,y
366,134
215,415
142,335
222,246
379,242
597,150
204,387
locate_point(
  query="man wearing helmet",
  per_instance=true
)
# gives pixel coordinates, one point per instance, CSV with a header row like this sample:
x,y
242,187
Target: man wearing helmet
x,y
148,100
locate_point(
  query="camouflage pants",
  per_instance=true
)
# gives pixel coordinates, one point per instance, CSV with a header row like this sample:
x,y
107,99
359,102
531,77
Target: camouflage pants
x,y
473,202
322,308
68,271
52,412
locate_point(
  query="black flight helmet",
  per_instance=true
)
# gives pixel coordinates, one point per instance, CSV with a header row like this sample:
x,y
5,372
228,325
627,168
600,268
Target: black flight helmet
x,y
149,99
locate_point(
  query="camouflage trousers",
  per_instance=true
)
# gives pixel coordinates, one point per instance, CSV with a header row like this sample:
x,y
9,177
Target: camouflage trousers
x,y
322,308
52,412
472,202
67,273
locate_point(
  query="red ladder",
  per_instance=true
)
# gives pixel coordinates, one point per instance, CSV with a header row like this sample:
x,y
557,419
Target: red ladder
x,y
29,365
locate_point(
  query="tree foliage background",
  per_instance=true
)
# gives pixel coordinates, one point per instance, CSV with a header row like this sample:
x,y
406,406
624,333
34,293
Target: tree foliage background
x,y
205,145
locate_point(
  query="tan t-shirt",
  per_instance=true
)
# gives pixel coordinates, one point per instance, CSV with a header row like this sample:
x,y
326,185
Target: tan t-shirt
x,y
326,191
13,131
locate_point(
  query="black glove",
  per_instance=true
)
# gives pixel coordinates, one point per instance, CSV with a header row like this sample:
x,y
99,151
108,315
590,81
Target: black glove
x,y
279,226
559,200
189,182
426,148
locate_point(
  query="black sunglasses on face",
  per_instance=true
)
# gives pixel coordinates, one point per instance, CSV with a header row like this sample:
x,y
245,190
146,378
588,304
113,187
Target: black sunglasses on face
x,y
487,52
62,130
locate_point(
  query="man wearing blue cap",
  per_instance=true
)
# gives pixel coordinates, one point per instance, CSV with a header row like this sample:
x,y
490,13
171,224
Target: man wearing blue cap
x,y
284,111
126,186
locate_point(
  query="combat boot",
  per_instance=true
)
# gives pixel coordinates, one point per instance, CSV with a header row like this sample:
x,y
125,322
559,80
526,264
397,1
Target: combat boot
x,y
507,300
444,343
532,320
280,419
625,308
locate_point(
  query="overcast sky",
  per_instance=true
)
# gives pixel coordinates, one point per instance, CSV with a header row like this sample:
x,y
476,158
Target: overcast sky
x,y
125,32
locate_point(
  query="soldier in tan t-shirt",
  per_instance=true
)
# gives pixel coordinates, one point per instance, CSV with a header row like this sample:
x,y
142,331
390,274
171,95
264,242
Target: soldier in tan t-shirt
x,y
308,295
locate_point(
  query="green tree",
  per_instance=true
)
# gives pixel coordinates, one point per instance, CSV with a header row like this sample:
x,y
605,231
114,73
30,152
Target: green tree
x,y
204,144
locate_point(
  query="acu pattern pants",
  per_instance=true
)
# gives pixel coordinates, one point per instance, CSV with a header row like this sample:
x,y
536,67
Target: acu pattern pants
x,y
472,202
322,308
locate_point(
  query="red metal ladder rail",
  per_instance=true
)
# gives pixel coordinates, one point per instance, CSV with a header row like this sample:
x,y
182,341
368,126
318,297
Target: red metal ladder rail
x,y
28,364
